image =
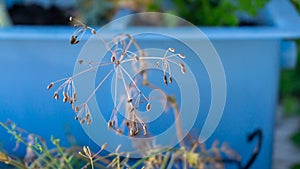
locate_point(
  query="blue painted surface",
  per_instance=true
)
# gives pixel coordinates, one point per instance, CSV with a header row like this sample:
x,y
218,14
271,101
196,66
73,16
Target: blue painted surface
x,y
31,57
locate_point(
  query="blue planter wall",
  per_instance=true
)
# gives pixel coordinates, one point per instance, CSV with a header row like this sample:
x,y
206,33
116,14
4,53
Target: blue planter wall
x,y
31,57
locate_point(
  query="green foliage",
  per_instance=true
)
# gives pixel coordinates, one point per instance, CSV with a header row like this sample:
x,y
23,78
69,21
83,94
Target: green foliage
x,y
296,166
95,12
216,12
296,138
290,89
296,4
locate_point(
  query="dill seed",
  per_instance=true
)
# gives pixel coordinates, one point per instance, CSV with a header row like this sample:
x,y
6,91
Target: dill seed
x,y
148,107
73,40
145,130
65,99
110,124
165,79
75,96
182,67
76,117
136,58
76,109
93,31
56,96
119,131
80,61
70,18
90,122
113,58
170,79
103,146
181,56
50,86
171,49
130,100
82,121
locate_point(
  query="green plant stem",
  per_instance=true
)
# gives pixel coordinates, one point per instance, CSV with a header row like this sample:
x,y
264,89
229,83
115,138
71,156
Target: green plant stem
x,y
18,138
61,151
138,163
7,160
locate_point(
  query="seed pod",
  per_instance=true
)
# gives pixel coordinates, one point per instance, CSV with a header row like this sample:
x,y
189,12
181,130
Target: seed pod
x,y
119,131
74,40
145,130
70,18
170,79
65,99
80,61
76,109
133,132
181,56
56,96
148,107
127,123
165,79
74,96
113,58
136,58
76,117
90,121
109,124
103,146
130,100
171,49
82,121
182,67
50,86
93,31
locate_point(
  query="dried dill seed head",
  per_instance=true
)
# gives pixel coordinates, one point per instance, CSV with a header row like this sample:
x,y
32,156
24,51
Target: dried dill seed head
x,y
56,96
50,86
148,107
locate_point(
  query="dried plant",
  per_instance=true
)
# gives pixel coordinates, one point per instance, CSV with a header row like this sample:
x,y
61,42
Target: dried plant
x,y
38,155
120,54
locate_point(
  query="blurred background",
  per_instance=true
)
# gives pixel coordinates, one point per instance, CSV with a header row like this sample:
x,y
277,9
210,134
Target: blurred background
x,y
209,13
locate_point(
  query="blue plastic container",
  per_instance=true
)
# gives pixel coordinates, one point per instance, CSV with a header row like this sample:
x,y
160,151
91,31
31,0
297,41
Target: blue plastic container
x,y
252,57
